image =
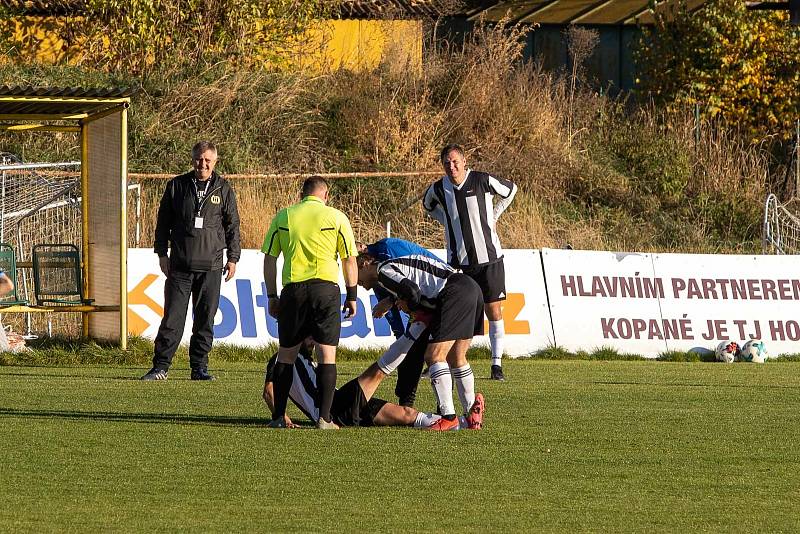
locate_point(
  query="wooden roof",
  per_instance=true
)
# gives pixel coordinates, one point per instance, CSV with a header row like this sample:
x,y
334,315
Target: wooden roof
x,y
523,11
591,12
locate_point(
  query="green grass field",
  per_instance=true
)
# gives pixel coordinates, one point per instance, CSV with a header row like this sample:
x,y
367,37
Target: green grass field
x,y
567,446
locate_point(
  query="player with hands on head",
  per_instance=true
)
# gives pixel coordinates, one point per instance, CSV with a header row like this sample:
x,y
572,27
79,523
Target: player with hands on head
x,y
464,202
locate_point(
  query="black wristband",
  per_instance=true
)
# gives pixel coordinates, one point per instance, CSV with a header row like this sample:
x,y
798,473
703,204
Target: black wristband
x,y
352,293
272,296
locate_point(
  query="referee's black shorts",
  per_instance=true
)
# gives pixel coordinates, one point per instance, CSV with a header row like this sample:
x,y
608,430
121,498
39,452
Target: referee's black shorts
x,y
309,308
459,312
491,278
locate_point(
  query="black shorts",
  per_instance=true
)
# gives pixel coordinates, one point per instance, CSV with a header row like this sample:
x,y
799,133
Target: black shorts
x,y
491,277
459,311
351,408
310,308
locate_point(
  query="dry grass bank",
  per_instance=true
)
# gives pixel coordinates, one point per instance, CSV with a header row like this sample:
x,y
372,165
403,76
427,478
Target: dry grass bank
x,y
594,172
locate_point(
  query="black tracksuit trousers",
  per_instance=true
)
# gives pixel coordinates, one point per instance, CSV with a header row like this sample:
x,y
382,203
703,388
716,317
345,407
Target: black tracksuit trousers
x,y
203,288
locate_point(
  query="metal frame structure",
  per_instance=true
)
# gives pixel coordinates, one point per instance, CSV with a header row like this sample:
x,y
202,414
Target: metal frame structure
x,y
780,228
591,12
78,110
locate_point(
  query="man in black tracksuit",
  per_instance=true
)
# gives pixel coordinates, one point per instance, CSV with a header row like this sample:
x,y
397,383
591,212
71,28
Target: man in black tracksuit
x,y
197,219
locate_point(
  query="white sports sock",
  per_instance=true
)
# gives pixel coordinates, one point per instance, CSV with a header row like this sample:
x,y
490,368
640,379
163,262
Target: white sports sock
x,y
396,353
465,385
442,384
497,330
424,419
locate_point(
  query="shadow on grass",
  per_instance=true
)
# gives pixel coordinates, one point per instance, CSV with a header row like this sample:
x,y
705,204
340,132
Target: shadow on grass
x,y
136,377
715,385
66,375
209,420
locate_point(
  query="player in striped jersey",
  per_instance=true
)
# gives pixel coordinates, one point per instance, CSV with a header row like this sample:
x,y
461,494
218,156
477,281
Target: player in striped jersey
x,y
354,403
455,302
463,201
408,373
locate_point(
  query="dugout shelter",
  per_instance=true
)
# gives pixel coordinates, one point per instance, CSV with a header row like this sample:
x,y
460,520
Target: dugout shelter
x,y
100,118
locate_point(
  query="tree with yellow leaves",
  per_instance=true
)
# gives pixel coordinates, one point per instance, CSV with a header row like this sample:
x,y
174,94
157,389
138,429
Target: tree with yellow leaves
x,y
738,65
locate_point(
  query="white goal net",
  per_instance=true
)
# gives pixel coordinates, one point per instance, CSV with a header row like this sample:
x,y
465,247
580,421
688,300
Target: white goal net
x,y
781,230
39,203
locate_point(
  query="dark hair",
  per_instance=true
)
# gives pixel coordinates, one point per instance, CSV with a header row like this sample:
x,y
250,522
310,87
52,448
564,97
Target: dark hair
x,y
201,147
314,184
364,259
449,148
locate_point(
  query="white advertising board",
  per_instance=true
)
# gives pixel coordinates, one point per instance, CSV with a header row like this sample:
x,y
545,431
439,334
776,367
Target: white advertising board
x,y
648,304
242,318
733,297
602,299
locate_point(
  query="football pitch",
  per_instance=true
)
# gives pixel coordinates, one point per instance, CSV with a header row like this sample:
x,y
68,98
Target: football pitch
x,y
567,446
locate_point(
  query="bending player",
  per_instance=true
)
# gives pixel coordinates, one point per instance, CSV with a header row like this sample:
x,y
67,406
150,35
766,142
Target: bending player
x,y
354,403
408,373
456,304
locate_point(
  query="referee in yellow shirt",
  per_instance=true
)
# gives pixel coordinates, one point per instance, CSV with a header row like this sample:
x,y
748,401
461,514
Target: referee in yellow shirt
x,y
309,235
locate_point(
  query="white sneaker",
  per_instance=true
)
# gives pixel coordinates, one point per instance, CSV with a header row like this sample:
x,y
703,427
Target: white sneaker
x,y
322,424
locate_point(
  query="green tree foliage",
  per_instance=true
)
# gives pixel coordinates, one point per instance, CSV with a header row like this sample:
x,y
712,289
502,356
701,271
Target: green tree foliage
x,y
738,65
141,36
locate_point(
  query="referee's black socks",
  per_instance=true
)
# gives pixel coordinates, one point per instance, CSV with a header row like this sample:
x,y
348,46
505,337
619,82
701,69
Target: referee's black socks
x,y
282,377
326,380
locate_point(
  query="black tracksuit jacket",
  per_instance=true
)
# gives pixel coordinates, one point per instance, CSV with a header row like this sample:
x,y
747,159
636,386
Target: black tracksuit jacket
x,y
198,249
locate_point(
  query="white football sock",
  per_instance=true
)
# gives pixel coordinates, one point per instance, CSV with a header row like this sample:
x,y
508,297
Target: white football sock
x,y
396,353
465,385
442,384
424,419
497,330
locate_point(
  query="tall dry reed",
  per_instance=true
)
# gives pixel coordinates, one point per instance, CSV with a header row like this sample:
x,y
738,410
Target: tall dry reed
x,y
593,172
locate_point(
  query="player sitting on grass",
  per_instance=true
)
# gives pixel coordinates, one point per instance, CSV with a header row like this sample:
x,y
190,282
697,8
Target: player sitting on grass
x,y
456,304
353,403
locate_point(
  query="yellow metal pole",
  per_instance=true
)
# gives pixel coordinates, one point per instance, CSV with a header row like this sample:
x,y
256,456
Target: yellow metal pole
x,y
123,237
103,114
85,221
43,116
40,127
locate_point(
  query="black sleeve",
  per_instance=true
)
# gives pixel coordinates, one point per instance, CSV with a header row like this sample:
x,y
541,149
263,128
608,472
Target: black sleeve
x,y
164,220
230,222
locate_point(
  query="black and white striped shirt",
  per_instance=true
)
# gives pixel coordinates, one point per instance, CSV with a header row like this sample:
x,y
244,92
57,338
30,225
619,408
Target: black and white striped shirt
x,y
416,279
304,393
469,215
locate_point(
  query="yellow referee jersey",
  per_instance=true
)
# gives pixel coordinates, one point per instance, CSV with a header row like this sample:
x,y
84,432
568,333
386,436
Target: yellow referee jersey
x,y
309,235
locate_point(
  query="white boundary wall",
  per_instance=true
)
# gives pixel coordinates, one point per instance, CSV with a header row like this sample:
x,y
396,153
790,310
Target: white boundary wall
x,y
636,303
